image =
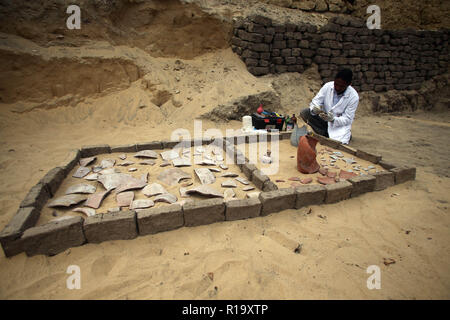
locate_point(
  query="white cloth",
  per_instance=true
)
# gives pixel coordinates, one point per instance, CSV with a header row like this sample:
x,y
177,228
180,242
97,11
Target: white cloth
x,y
343,110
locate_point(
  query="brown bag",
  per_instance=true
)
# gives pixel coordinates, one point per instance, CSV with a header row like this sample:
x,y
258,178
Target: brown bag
x,y
306,155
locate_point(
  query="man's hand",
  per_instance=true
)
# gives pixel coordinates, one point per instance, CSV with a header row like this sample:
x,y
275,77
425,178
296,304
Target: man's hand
x,y
327,116
316,110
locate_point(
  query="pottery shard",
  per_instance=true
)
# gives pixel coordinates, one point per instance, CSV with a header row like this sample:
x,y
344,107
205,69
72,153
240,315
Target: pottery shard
x,y
205,175
242,180
164,164
148,162
89,212
172,176
229,194
166,197
123,156
86,161
92,177
81,188
109,171
113,180
306,180
205,191
331,174
125,163
326,180
144,177
229,184
146,154
181,162
294,179
81,172
132,169
248,188
223,167
124,199
169,155
95,200
214,169
346,174
207,162
323,171
187,184
107,163
141,204
67,200
229,175
131,184
154,189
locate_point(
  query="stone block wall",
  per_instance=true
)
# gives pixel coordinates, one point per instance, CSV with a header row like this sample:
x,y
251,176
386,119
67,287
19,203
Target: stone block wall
x,y
381,60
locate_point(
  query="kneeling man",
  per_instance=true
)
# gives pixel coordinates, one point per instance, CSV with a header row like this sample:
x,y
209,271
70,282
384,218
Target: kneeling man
x,y
332,110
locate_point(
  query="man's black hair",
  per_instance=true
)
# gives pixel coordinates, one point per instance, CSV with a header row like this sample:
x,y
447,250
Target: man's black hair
x,y
345,74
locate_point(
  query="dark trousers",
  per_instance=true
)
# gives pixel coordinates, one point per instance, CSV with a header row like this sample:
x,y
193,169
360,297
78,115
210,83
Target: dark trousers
x,y
317,124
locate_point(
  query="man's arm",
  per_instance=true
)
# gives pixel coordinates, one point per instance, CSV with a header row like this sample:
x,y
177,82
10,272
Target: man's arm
x,y
349,114
318,100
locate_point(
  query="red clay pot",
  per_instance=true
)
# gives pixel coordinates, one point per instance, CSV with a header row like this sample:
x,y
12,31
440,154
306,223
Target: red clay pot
x,y
306,155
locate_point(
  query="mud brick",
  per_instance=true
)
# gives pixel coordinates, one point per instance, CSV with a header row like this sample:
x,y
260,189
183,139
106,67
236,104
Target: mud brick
x,y
269,186
347,149
54,237
326,52
53,179
338,191
248,169
124,148
250,62
290,60
281,68
242,209
362,184
154,145
368,156
278,60
309,195
260,47
292,43
295,52
403,174
71,161
386,165
265,21
244,35
384,179
36,197
89,151
259,178
327,141
9,237
160,219
120,225
203,212
279,44
275,201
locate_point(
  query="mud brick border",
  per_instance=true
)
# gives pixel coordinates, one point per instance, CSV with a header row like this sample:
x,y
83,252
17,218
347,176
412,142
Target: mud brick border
x,y
403,174
154,220
124,148
89,151
198,213
54,237
310,195
338,191
362,184
21,234
278,200
242,209
119,225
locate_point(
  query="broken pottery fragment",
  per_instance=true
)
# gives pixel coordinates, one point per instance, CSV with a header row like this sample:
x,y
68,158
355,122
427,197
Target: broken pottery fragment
x,y
323,171
280,180
132,169
229,184
125,163
326,180
123,156
154,189
141,204
229,175
113,180
148,162
81,172
164,164
183,193
109,171
331,174
95,200
187,184
67,200
207,162
124,199
81,188
214,169
169,155
294,179
146,154
306,180
248,188
86,161
92,177
166,197
107,163
172,176
97,169
349,160
243,181
346,174
144,177
205,191
223,167
87,211
205,175
181,162
229,194
131,184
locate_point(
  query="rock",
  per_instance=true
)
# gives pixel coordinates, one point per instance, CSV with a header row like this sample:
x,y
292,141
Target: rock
x,y
95,200
166,197
131,184
205,191
81,188
123,156
223,167
205,175
181,162
89,212
243,181
146,154
306,180
86,161
107,163
67,200
141,204
229,175
326,180
248,188
149,162
124,199
346,174
154,189
229,184
92,177
172,176
81,172
169,155
125,163
229,194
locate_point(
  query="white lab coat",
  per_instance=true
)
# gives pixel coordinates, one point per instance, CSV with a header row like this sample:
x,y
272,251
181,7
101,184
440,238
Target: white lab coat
x,y
343,111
